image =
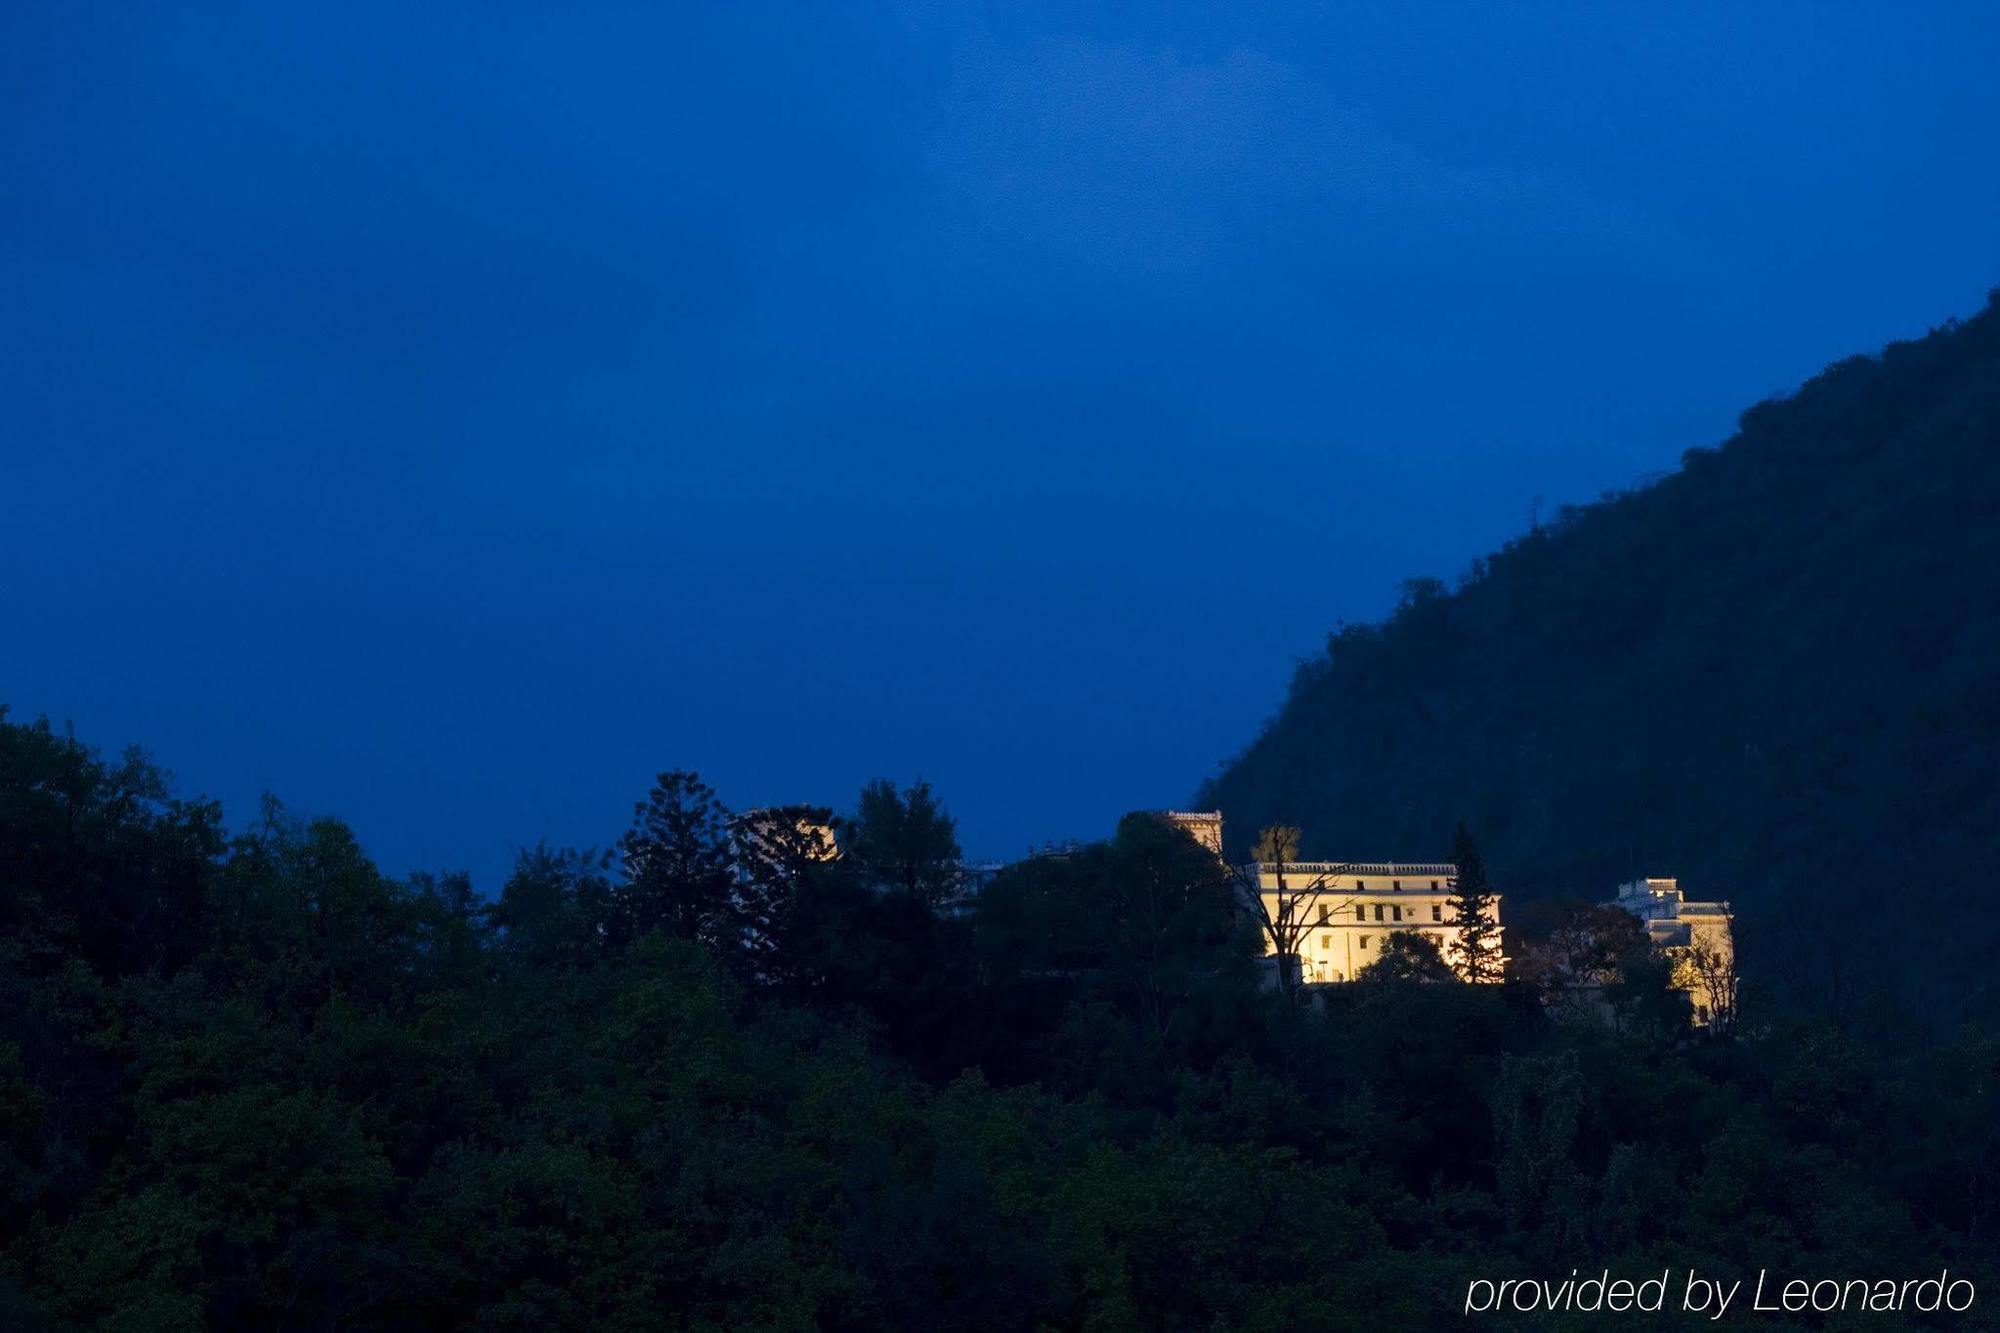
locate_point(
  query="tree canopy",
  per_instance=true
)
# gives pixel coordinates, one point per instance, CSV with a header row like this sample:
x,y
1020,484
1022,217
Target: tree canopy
x,y
721,1081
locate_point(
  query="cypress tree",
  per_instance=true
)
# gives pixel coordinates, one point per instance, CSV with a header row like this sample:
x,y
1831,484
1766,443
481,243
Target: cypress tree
x,y
1476,953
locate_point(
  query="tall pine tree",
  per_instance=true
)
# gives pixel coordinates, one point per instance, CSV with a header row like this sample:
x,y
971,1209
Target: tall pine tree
x,y
1476,952
678,862
783,853
904,842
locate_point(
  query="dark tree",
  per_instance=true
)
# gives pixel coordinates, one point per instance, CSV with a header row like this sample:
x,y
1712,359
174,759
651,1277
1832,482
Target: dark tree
x,y
678,866
1409,955
1569,947
905,842
1476,953
1165,920
99,861
782,854
451,927
553,909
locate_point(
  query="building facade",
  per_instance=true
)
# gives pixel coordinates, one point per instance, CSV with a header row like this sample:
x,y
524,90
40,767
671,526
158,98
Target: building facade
x,y
1342,913
1339,915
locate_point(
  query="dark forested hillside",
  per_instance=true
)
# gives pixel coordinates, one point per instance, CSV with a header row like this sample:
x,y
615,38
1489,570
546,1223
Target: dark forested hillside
x,y
1775,673
728,1081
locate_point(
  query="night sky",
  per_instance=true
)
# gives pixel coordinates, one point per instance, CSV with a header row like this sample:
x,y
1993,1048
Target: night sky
x,y
446,417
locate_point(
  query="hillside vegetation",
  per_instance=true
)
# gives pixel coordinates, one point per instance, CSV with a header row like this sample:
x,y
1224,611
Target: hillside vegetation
x,y
249,1082
1774,673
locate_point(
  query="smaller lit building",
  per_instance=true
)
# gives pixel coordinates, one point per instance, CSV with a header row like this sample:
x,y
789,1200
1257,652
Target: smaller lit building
x,y
1204,826
1697,936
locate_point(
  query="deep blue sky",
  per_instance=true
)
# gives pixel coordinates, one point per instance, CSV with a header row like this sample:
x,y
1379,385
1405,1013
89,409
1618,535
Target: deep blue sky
x,y
448,416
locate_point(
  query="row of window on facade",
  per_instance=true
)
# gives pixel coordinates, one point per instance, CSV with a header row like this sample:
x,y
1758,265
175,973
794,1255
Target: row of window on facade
x,y
1395,910
1326,941
1395,886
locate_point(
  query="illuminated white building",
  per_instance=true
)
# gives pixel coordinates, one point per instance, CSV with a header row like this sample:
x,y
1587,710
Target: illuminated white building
x,y
1344,912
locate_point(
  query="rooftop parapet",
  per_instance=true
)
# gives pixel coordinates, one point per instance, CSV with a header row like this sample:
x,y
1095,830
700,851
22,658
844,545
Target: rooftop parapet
x,y
1414,869
1660,899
